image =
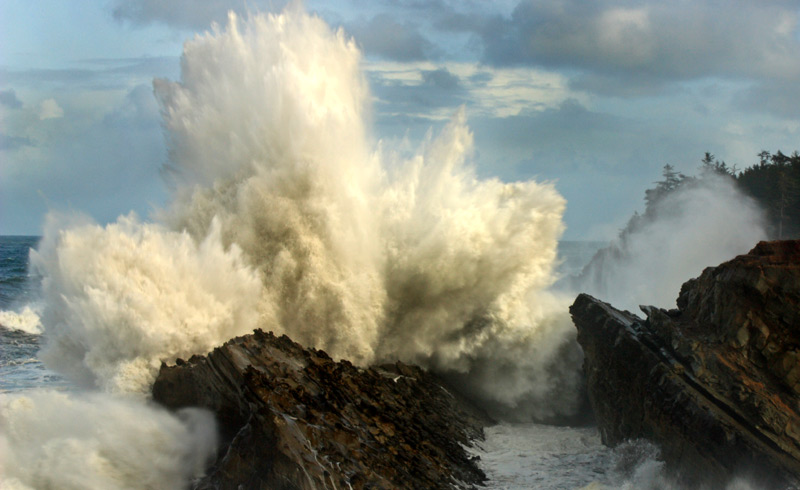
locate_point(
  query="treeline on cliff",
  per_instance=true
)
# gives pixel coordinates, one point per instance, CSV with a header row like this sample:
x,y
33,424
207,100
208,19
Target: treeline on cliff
x,y
773,182
679,213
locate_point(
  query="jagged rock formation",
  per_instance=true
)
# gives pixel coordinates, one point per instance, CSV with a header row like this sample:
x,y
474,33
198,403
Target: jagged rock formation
x,y
715,382
292,418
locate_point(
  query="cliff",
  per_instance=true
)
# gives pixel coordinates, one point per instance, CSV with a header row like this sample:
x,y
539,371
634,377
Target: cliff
x,y
292,418
716,382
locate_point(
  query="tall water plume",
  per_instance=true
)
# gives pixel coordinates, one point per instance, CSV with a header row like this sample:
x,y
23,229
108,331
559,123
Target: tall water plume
x,y
287,215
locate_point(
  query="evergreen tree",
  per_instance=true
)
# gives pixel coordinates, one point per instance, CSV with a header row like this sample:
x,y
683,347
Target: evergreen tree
x,y
775,183
672,180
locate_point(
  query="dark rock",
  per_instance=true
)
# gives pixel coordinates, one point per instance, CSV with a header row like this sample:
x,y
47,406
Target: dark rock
x,y
292,418
714,383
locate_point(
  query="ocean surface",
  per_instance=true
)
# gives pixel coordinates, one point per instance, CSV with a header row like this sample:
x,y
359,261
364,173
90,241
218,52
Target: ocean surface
x,y
20,329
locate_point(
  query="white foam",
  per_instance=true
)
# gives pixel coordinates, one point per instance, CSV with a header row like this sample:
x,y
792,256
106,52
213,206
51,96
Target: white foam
x,y
57,440
122,298
27,320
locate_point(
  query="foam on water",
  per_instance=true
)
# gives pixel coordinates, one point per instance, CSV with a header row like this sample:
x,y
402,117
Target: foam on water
x,y
543,457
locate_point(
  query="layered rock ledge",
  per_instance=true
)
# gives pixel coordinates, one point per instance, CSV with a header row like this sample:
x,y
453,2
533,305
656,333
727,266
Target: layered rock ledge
x,y
716,382
292,418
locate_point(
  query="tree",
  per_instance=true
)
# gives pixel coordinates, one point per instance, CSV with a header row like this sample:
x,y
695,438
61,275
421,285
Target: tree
x,y
711,165
775,183
672,181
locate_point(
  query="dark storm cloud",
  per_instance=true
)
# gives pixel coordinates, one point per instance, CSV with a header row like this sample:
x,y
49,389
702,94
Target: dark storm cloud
x,y
384,36
8,99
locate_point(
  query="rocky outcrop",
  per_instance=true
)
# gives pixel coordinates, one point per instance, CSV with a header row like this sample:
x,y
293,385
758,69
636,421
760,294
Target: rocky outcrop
x,y
292,418
715,382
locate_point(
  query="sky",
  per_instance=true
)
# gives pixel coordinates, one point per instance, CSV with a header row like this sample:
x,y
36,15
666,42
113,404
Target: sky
x,y
593,95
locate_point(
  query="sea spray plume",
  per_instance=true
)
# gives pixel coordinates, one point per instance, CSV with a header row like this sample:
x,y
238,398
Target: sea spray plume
x,y
122,298
468,262
67,441
266,133
702,223
277,184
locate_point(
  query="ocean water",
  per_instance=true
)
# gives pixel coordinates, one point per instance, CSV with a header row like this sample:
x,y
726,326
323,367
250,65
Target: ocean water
x,y
20,329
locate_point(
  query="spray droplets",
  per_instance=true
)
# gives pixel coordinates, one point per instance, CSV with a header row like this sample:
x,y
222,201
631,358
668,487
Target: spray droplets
x,y
284,214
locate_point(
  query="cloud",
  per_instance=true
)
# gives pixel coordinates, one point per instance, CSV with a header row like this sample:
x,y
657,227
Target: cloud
x,y
8,143
642,43
777,97
392,40
139,109
95,73
441,78
8,98
49,109
104,160
429,91
186,14
39,76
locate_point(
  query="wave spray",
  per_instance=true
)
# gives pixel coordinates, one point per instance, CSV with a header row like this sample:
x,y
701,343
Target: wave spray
x,y
286,215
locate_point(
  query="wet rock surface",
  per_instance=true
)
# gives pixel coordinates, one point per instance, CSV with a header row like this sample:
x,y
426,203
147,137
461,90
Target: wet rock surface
x,y
716,382
292,418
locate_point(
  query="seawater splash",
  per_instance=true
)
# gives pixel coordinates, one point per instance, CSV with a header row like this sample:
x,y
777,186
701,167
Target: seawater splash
x,y
286,215
123,297
699,225
25,320
58,440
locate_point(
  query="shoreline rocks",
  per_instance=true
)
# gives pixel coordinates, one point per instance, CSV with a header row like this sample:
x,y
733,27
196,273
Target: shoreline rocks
x,y
716,382
292,418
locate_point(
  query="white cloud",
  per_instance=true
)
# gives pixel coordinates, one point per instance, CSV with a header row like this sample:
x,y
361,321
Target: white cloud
x,y
49,109
499,92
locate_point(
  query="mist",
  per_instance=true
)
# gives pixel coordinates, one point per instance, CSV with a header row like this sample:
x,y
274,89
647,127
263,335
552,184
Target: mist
x,y
699,225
